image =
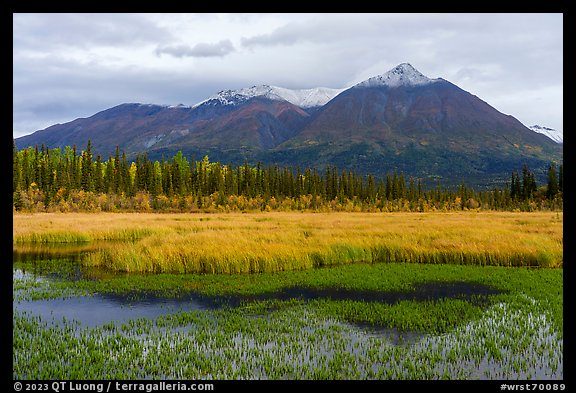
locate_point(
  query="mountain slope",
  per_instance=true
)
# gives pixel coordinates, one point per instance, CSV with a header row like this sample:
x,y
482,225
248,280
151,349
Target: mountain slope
x,y
405,121
256,123
133,127
398,121
253,122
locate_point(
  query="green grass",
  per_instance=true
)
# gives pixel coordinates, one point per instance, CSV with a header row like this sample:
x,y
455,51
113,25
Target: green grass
x,y
510,341
519,335
544,285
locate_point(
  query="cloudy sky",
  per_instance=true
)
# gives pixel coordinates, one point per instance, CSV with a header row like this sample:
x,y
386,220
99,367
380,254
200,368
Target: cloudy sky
x,y
67,66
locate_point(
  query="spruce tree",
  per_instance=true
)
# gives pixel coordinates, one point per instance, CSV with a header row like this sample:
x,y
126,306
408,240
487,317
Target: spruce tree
x,y
552,189
15,168
560,178
98,176
86,168
25,169
117,178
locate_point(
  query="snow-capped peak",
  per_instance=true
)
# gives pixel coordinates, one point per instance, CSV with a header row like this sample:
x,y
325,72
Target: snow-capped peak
x,y
304,98
555,135
307,98
402,74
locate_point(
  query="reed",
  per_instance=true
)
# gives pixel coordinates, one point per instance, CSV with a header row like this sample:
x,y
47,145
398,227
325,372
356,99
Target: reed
x,y
272,242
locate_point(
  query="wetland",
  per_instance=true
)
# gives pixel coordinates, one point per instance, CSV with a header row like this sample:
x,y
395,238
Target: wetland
x,y
308,296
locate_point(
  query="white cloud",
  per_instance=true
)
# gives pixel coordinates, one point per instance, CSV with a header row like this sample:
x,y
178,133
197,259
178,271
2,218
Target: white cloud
x,y
66,65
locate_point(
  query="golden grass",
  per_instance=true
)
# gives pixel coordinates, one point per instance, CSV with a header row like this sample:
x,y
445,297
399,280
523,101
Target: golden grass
x,y
277,241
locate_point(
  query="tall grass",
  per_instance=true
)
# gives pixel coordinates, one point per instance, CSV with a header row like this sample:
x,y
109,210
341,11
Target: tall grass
x,y
80,227
271,242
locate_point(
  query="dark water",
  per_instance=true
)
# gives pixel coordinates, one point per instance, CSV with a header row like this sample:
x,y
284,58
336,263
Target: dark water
x,y
477,294
98,310
61,263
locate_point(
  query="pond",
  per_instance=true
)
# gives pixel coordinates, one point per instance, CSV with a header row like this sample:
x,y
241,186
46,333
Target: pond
x,y
302,328
100,309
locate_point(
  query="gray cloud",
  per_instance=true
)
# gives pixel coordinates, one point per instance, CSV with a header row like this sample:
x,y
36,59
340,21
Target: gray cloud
x,y
285,35
74,65
315,30
44,31
219,49
63,90
330,28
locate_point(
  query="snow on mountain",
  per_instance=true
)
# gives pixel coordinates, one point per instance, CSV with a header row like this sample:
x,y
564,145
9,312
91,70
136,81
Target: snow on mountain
x,y
304,98
555,135
308,98
402,74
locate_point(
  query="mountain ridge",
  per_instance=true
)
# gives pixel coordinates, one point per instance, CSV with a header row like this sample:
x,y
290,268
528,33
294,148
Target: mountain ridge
x,y
304,98
399,120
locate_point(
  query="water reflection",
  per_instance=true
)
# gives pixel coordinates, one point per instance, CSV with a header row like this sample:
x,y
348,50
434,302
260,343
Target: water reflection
x,y
44,263
98,310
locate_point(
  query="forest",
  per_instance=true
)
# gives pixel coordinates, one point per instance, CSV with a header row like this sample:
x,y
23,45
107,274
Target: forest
x,y
70,181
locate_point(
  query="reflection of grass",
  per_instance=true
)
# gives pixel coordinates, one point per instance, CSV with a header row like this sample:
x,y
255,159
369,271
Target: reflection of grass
x,y
269,242
520,333
511,341
544,285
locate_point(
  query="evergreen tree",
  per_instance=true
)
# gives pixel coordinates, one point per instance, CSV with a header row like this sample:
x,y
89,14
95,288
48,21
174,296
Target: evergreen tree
x,y
552,189
395,187
166,178
212,183
98,175
86,168
401,186
36,167
46,170
76,169
388,187
420,189
411,190
117,178
516,187
528,183
109,176
370,190
156,188
16,170
25,169
560,178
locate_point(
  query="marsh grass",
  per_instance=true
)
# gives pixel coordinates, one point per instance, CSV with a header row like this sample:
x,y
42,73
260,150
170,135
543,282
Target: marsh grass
x,y
273,242
366,288
511,341
518,336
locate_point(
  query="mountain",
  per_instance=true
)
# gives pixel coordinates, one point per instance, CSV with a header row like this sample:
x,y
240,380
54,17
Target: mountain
x,y
555,135
397,121
430,128
259,117
134,127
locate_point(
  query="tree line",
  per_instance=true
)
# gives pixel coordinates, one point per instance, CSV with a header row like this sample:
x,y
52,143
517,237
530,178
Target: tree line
x,y
67,180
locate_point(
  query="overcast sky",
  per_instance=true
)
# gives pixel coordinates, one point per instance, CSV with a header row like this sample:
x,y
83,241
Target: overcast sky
x,y
74,65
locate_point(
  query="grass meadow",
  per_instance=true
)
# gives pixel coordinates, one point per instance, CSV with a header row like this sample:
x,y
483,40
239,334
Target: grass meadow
x,y
277,241
289,295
